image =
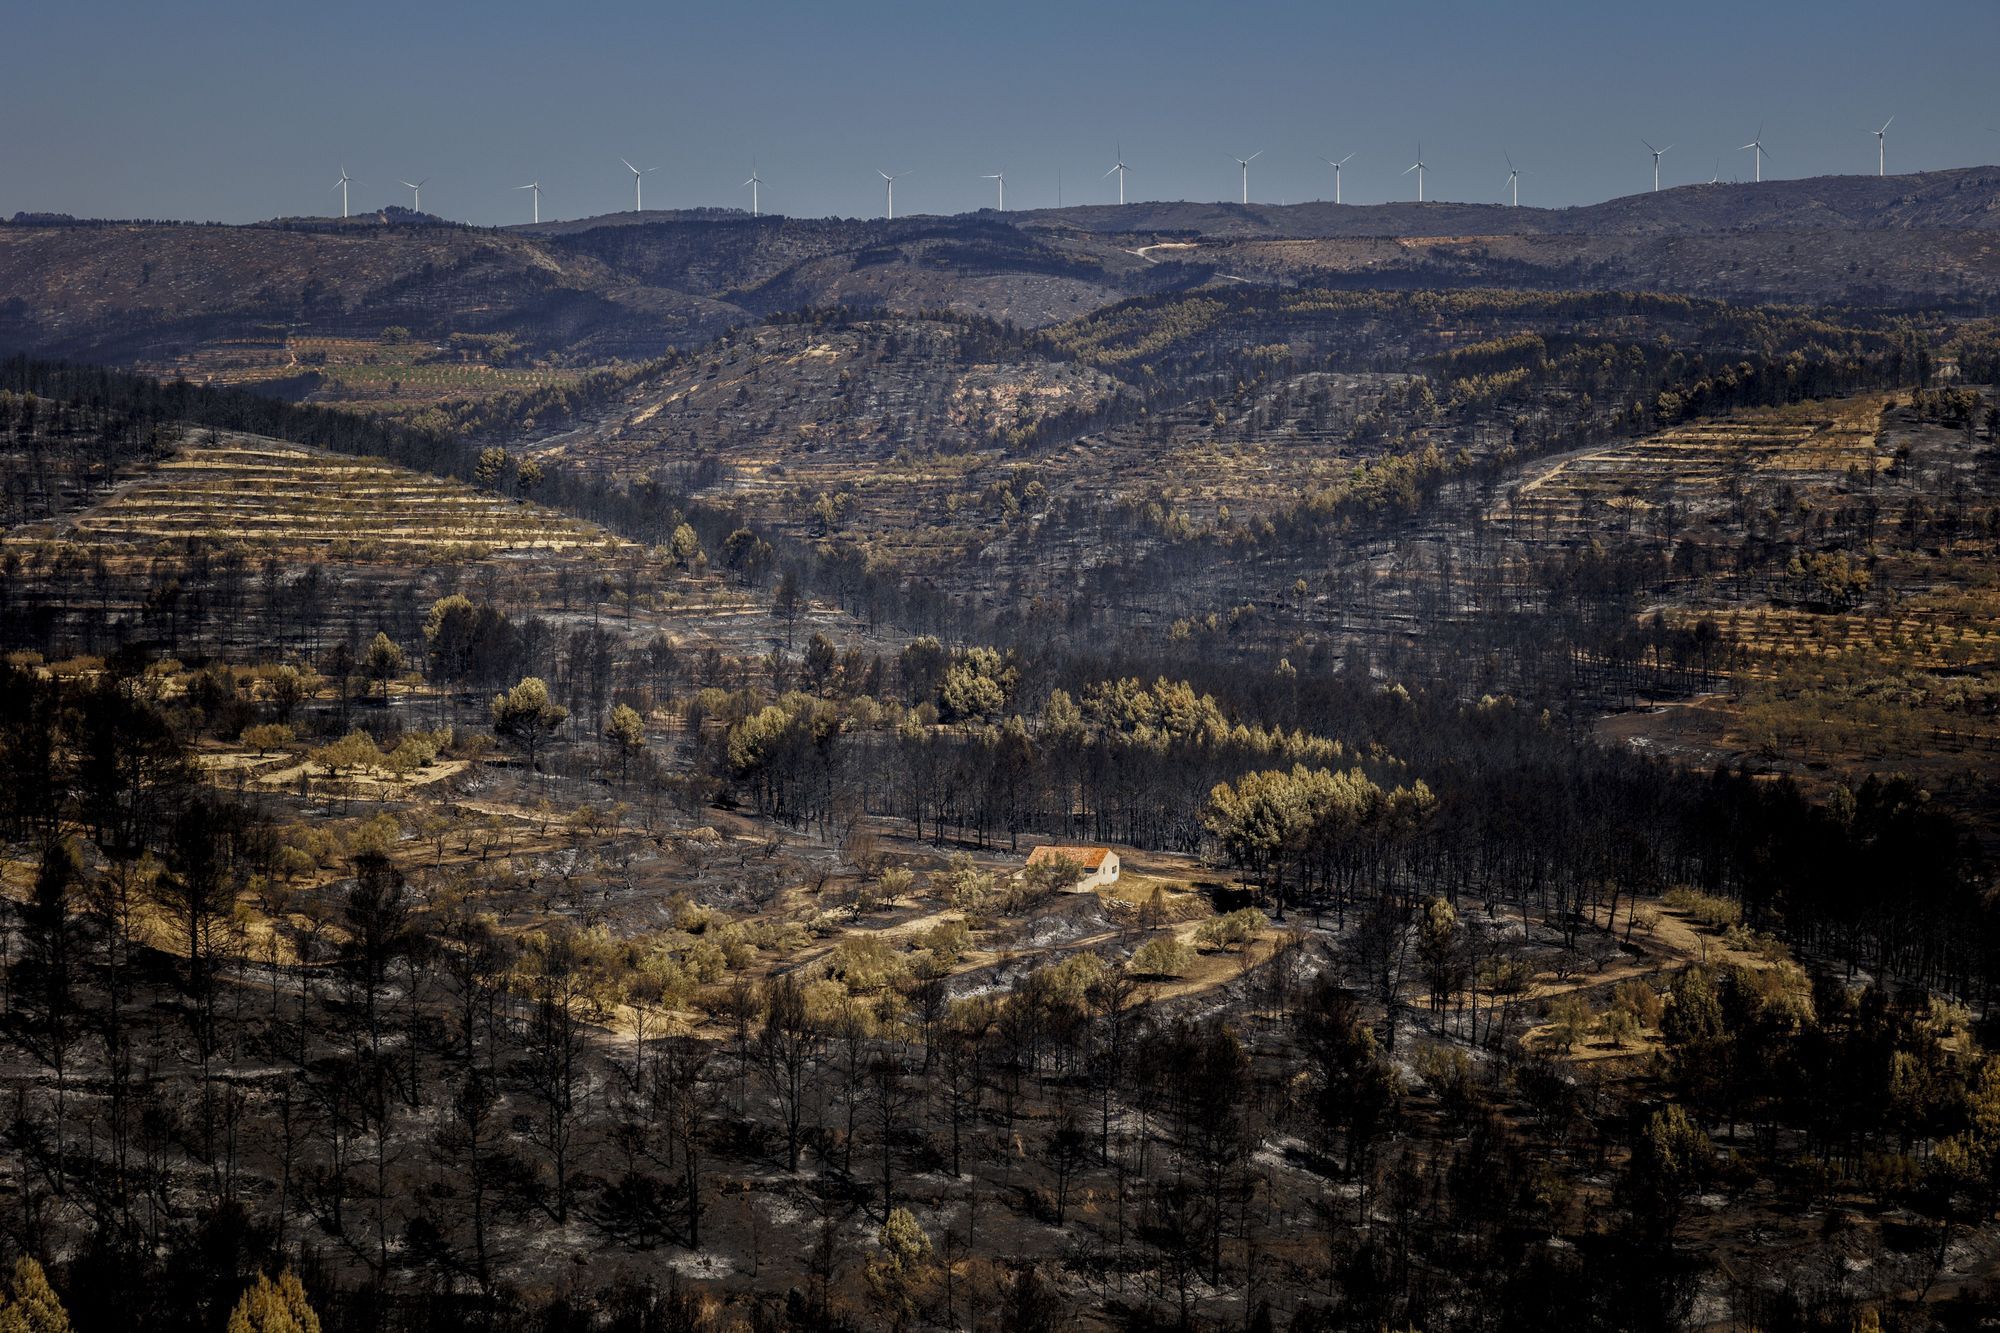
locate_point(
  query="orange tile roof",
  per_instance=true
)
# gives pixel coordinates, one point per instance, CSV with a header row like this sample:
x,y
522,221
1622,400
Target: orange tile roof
x,y
1090,858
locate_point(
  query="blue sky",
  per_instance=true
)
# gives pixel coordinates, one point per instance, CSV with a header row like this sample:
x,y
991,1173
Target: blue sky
x,y
237,111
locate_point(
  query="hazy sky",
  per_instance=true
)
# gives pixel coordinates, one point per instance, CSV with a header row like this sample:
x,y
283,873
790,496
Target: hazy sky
x,y
239,111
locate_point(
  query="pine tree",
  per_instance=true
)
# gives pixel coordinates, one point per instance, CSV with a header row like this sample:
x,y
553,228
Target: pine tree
x,y
274,1307
30,1304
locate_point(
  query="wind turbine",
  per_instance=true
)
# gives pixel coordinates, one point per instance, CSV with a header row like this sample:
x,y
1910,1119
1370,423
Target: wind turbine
x,y
637,177
1336,174
754,182
1418,167
1658,153
1513,182
1716,179
1756,144
1882,147
1244,162
536,186
341,185
416,189
1000,177
890,183
1119,171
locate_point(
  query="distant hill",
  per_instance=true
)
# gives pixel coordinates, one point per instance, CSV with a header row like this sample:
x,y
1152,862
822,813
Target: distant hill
x,y
1965,198
626,286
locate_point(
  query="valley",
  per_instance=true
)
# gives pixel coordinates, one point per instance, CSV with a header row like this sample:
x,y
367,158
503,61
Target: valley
x,y
525,752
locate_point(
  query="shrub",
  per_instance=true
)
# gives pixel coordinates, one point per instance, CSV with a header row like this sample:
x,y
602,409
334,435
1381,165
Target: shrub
x,y
1161,956
267,737
1704,908
1233,931
865,964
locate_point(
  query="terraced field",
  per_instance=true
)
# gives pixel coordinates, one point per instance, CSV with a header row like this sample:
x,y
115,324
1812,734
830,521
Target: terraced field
x,y
373,371
269,496
1919,638
1693,474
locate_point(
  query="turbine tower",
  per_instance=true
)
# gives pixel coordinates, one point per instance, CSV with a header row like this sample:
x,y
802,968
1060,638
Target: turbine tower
x,y
1882,147
1418,167
754,182
341,185
1337,175
1513,182
416,189
1244,162
1756,145
1657,153
1119,171
536,186
889,183
637,176
1000,179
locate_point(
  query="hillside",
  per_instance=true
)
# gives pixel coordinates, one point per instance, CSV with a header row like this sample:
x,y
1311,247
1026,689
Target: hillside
x,y
233,304
1966,198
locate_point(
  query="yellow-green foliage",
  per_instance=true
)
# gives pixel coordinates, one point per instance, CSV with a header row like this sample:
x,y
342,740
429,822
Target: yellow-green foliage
x,y
1570,1021
377,834
1232,931
1065,984
947,941
267,736
29,1304
865,964
1704,908
588,969
352,752
274,1307
1161,956
962,883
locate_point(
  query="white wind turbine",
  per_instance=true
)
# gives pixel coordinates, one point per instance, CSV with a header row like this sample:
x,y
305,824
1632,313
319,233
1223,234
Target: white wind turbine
x,y
341,185
1244,162
1336,174
1418,167
1119,171
638,206
416,189
1756,145
754,183
1882,147
536,186
889,183
1657,153
1000,179
1513,182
